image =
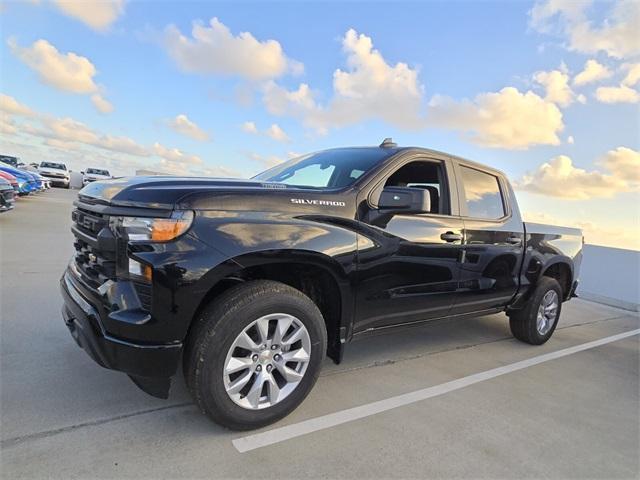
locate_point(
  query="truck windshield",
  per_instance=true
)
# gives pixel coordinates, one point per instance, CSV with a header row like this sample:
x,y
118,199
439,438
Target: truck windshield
x,y
97,171
58,166
336,168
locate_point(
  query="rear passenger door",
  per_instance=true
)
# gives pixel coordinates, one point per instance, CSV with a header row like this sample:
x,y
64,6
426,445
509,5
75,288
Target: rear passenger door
x,y
493,240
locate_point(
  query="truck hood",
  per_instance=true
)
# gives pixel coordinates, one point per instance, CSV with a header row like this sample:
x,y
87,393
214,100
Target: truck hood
x,y
167,192
53,170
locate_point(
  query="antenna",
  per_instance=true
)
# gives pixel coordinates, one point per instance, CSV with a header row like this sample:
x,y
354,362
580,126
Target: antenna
x,y
388,143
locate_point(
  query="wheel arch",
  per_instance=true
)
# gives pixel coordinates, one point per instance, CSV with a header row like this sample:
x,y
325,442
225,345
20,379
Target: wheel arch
x,y
320,277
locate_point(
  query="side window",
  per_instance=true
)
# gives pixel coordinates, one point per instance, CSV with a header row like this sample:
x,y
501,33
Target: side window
x,y
427,176
482,191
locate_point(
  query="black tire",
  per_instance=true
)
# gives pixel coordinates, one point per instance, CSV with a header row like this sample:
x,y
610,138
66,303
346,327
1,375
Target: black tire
x,y
216,330
523,323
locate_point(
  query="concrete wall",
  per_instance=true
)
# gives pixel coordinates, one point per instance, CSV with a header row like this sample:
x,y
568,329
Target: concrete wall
x,y
611,276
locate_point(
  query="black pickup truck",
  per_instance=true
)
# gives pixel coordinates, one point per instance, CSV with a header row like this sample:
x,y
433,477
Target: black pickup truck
x,y
250,283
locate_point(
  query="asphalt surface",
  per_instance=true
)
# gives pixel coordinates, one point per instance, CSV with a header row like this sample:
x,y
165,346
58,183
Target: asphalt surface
x,y
62,416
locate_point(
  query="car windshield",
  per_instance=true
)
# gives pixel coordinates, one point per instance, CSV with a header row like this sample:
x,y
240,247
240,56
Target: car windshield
x,y
97,171
58,166
326,169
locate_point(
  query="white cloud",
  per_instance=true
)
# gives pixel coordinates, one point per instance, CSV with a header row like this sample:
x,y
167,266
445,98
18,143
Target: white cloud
x,y
73,139
68,72
213,49
250,127
617,35
101,104
173,155
505,119
620,94
370,88
556,85
633,74
592,72
97,14
560,178
623,162
276,133
570,140
11,106
184,126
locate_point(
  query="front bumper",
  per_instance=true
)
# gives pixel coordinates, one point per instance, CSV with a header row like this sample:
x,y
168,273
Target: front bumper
x,y
150,366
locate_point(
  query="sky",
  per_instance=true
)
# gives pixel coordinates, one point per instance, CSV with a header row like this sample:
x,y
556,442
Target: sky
x,y
547,91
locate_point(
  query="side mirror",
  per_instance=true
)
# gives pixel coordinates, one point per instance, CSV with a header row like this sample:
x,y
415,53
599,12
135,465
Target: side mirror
x,y
404,200
82,172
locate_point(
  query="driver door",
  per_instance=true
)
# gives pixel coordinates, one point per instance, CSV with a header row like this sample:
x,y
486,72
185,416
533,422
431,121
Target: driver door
x,y
408,265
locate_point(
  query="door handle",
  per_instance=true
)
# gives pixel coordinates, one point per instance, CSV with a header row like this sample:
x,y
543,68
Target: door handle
x,y
451,237
514,240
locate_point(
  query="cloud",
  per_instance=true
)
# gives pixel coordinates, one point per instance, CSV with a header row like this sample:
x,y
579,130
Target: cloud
x,y
173,155
570,140
276,133
592,72
633,74
11,106
184,126
505,119
556,85
369,88
101,104
213,49
68,72
620,94
623,162
99,15
560,178
617,35
250,127
74,139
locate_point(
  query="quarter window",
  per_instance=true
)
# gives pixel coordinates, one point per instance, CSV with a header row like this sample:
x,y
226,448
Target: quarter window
x,y
482,191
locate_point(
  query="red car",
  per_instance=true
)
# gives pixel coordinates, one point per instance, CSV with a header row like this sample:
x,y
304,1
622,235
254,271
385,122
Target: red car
x,y
12,180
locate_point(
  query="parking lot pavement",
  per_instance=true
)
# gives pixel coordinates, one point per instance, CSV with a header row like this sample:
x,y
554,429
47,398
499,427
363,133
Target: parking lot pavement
x,y
62,416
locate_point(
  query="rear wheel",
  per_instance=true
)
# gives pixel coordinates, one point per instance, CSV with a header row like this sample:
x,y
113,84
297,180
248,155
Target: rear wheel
x,y
255,354
538,320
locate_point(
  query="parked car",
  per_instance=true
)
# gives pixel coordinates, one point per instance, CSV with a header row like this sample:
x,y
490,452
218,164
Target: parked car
x,y
43,182
93,174
57,173
12,180
7,195
251,282
10,160
26,182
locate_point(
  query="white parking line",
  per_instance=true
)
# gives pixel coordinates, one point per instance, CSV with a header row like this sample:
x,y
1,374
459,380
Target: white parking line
x,y
277,435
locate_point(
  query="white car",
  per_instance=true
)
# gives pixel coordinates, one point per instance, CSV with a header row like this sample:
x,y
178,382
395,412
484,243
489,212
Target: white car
x,y
57,173
94,174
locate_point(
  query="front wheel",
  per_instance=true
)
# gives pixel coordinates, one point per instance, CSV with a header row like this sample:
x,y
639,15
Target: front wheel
x,y
536,322
255,354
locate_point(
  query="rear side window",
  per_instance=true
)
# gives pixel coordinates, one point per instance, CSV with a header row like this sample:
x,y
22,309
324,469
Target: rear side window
x,y
482,191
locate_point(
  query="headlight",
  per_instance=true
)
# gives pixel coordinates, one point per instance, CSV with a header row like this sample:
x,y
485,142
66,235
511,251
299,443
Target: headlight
x,y
136,229
140,230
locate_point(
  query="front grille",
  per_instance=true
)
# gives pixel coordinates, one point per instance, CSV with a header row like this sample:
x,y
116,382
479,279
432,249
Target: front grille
x,y
96,252
96,266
